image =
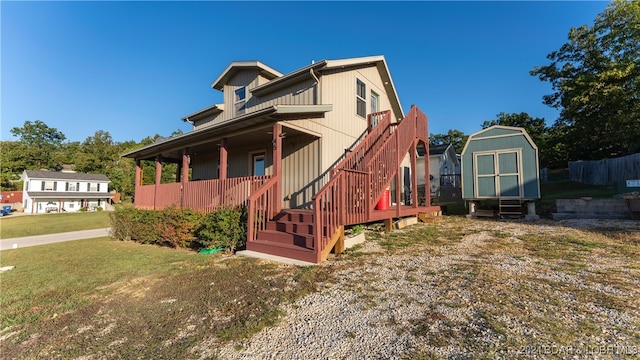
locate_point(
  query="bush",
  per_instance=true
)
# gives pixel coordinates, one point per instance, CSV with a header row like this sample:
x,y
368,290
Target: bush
x,y
227,228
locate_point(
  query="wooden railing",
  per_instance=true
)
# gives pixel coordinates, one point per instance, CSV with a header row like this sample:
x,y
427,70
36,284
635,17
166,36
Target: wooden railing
x,y
362,152
262,207
203,195
357,182
208,195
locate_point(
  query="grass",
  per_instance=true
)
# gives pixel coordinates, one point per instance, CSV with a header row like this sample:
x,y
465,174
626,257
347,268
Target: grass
x,y
565,189
122,299
29,225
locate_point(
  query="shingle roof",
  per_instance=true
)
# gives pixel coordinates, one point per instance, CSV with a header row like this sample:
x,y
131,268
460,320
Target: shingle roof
x,y
56,175
70,195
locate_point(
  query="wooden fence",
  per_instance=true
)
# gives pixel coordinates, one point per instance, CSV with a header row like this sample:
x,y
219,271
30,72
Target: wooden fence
x,y
606,172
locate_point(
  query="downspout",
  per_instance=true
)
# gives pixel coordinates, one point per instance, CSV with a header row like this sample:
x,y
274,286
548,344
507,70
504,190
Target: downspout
x,y
317,97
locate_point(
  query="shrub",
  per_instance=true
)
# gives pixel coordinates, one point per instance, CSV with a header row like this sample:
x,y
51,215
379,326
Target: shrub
x,y
226,227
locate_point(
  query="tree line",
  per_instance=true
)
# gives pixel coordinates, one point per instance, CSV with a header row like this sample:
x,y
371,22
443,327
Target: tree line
x,y
40,147
595,78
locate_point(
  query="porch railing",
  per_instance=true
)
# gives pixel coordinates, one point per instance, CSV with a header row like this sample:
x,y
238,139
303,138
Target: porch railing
x,y
203,195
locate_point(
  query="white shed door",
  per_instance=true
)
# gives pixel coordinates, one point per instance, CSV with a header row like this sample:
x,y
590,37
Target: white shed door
x,y
497,174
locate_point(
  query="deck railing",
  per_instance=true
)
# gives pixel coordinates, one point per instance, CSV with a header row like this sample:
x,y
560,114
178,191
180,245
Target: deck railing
x,y
356,183
202,195
362,152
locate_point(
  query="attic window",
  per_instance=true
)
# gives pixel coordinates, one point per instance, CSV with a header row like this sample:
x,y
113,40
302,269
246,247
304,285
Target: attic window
x,y
361,102
239,100
241,94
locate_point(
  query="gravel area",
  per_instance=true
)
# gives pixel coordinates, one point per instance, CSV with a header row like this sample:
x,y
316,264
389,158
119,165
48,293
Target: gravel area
x,y
486,290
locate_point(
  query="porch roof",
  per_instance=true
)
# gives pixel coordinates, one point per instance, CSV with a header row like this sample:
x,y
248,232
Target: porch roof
x,y
213,132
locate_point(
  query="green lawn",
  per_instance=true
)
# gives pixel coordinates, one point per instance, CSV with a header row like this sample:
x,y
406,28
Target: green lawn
x,y
27,225
81,296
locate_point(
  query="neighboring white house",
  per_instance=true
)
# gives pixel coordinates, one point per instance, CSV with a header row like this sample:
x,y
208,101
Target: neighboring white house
x,y
49,191
444,168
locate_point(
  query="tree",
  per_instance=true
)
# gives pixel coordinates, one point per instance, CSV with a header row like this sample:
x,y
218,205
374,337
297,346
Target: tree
x,y
455,137
97,154
596,81
43,144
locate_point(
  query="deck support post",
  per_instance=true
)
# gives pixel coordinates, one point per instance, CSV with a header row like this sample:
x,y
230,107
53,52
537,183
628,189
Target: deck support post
x,y
427,179
277,165
388,225
414,175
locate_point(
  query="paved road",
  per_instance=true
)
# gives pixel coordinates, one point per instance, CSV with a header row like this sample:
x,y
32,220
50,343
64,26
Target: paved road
x,y
51,238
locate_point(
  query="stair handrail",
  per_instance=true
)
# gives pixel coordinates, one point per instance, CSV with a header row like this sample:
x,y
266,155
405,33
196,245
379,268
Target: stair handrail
x,y
330,206
388,154
262,208
365,145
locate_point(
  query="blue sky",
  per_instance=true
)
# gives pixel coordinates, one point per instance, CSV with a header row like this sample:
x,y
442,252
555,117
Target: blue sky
x,y
135,68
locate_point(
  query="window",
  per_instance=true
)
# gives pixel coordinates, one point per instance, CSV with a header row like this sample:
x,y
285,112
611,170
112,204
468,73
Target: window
x,y
48,185
258,164
239,100
375,102
92,187
71,187
361,102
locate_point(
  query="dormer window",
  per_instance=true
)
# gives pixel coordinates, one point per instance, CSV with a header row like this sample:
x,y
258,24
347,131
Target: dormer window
x,y
239,100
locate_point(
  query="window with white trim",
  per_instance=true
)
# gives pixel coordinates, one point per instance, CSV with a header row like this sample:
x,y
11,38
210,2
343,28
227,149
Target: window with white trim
x,y
361,96
240,99
375,102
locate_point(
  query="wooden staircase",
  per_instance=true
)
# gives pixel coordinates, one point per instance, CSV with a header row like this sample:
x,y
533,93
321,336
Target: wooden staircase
x,y
349,197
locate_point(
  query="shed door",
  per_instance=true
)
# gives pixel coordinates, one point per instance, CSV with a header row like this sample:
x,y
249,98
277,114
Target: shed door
x,y
498,174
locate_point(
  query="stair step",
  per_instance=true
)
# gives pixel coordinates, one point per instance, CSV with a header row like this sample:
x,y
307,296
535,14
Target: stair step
x,y
285,250
296,215
305,241
291,227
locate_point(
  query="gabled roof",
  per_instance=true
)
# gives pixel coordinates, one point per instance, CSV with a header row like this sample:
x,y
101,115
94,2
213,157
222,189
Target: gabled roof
x,y
499,131
208,111
236,66
278,80
438,149
378,60
57,175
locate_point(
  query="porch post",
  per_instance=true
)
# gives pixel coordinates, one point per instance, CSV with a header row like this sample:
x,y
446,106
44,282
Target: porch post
x,y
414,175
158,179
277,165
399,184
185,174
224,151
138,180
427,180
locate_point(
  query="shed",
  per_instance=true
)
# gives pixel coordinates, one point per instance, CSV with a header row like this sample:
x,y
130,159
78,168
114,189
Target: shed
x,y
501,163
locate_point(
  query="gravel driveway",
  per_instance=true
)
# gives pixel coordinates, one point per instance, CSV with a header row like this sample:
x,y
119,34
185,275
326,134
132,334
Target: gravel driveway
x,y
480,289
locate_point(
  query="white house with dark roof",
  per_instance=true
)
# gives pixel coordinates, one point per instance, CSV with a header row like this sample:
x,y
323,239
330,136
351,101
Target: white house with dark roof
x,y
50,191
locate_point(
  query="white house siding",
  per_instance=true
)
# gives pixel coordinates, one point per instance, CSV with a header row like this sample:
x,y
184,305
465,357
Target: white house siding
x,y
301,93
300,170
343,126
55,196
248,78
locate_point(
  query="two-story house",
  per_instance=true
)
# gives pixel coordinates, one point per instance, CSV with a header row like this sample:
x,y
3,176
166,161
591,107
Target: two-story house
x,y
50,191
308,152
